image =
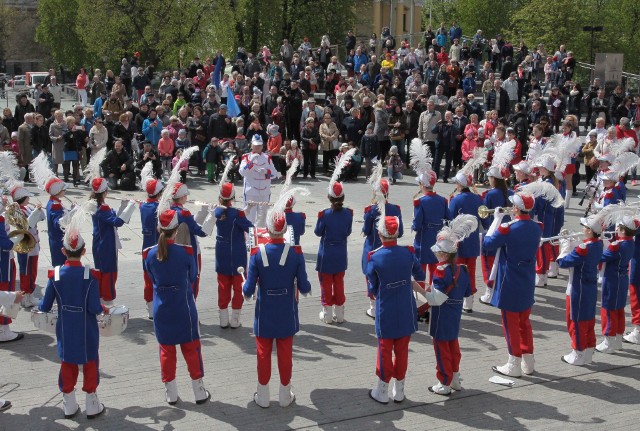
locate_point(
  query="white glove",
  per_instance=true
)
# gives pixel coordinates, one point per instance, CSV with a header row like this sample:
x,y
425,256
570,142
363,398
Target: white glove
x,y
565,247
16,239
37,215
128,212
207,225
497,220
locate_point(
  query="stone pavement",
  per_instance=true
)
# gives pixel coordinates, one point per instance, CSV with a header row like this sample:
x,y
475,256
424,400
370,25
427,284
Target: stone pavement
x,y
334,366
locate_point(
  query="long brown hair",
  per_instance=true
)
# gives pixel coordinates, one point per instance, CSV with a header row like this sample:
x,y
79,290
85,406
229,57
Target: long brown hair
x,y
336,203
163,251
99,197
501,184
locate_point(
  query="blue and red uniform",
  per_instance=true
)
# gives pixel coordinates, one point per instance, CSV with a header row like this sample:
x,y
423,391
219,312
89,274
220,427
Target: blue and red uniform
x,y
492,199
372,239
28,262
582,292
231,253
7,265
468,202
389,272
297,222
150,235
195,230
552,220
75,288
429,215
615,285
55,212
276,310
175,317
105,249
634,283
333,227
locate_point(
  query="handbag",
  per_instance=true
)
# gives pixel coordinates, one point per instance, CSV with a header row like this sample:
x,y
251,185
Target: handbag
x,y
335,144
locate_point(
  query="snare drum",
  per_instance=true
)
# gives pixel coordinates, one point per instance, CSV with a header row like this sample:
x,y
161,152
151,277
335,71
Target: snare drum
x,y
45,321
10,311
115,322
260,235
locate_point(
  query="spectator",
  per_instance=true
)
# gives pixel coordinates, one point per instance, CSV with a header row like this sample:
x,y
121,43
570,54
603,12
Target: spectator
x,y
445,143
310,144
24,140
22,108
148,154
394,165
497,99
183,169
82,82
75,141
151,128
212,156
39,136
124,130
294,153
117,167
166,147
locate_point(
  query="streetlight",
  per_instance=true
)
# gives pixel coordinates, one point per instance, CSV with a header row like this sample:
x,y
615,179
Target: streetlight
x,y
593,30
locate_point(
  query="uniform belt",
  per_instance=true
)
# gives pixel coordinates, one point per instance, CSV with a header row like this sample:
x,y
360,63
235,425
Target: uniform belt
x,y
453,301
432,225
72,308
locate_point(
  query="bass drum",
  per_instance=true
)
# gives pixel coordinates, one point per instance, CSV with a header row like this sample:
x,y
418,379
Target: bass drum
x,y
115,322
260,235
45,321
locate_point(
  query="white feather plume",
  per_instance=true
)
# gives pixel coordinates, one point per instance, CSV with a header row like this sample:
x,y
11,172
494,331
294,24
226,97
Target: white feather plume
x,y
375,177
279,207
459,228
40,170
544,190
165,200
382,213
503,155
9,169
288,179
612,214
92,171
621,146
225,174
624,163
146,173
421,157
340,165
478,159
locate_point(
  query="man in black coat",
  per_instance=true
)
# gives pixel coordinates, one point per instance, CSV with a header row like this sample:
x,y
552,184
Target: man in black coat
x,y
292,100
117,167
446,133
520,125
220,125
498,99
45,102
148,154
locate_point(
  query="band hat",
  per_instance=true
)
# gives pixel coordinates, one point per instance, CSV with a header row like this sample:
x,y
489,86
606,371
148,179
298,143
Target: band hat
x,y
522,201
463,179
427,179
500,174
523,167
153,187
257,140
168,220
179,190
591,223
630,222
336,190
453,233
99,185
55,185
19,192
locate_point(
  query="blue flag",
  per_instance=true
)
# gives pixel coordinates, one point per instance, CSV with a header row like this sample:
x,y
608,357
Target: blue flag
x,y
216,72
233,110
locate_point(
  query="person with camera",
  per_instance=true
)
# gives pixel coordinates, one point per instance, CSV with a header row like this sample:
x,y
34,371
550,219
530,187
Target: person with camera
x,y
148,154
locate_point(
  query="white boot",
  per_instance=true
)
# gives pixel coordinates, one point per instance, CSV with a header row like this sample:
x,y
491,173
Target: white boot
x,y
440,389
93,406
512,368
567,198
588,355
633,337
224,318
7,335
261,397
398,391
553,270
235,319
380,393
467,304
574,358
486,298
171,392
150,310
541,280
528,364
339,313
371,312
30,300
200,393
326,315
607,345
286,397
618,342
70,405
455,382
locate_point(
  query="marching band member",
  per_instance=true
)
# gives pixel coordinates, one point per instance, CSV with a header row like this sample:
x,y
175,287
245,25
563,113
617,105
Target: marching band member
x,y
173,271
257,169
280,268
390,268
294,219
569,140
524,175
537,142
582,290
369,230
75,288
468,202
451,285
615,282
105,235
149,221
231,225
334,227
515,281
55,187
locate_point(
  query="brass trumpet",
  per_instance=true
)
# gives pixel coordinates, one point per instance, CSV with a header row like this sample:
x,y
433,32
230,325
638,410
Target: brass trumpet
x,y
484,212
563,235
17,219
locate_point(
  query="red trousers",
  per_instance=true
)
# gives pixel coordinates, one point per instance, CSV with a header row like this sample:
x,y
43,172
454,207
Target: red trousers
x,y
108,285
9,286
226,284
582,332
192,354
28,272
284,348
447,359
68,377
148,287
634,301
487,264
546,254
196,284
387,367
332,288
612,322
471,266
517,331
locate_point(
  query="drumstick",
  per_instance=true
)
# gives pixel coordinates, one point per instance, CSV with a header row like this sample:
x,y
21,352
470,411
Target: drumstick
x,y
241,272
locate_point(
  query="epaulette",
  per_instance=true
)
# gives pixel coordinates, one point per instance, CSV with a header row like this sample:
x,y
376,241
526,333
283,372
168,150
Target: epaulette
x,y
241,213
1,219
188,249
504,228
608,194
254,251
614,246
104,207
411,249
304,216
96,274
582,250
367,209
371,253
320,214
439,272
185,213
298,249
56,207
416,203
350,210
51,273
145,252
484,194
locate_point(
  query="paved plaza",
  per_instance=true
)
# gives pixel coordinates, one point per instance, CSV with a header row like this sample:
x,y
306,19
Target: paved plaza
x,y
334,366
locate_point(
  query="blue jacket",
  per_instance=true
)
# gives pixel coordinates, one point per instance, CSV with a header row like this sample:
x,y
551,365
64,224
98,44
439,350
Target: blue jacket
x,y
552,219
634,271
231,250
6,245
104,248
152,134
615,280
467,203
492,199
445,318
389,272
296,220
97,107
184,216
515,280
276,314
583,261
55,212
333,228
359,60
76,291
149,221
175,317
429,214
369,229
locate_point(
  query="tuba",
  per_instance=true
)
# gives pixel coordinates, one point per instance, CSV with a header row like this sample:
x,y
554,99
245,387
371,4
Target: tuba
x,y
18,220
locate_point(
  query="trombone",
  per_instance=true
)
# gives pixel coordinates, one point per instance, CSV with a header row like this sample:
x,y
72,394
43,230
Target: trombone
x,y
484,212
556,239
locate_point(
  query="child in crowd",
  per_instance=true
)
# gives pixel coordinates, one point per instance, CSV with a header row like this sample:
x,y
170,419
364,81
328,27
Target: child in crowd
x,y
166,147
242,144
212,155
184,166
394,164
183,141
294,154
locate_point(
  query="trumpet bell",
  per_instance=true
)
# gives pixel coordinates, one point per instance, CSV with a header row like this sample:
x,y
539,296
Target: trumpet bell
x,y
26,244
484,212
